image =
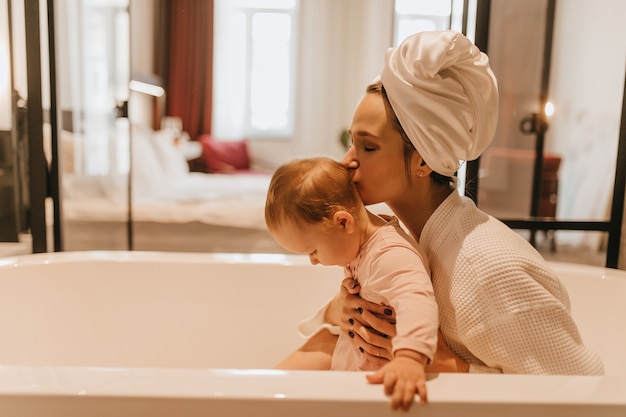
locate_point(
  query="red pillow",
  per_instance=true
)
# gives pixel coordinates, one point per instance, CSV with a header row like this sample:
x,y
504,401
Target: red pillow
x,y
224,157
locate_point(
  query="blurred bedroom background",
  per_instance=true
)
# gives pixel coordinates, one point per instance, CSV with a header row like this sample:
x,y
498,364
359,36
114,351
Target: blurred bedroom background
x,y
155,124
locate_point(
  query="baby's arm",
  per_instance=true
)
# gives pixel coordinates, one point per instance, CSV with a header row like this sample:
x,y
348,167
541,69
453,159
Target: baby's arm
x,y
403,377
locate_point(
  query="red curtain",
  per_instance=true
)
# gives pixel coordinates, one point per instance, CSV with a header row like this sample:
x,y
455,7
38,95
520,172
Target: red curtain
x,y
190,64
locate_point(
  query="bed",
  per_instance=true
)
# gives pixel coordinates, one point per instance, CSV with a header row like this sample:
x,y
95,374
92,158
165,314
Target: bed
x,y
173,209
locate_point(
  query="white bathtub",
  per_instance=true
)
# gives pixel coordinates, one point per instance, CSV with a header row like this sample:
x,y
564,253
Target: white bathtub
x,y
155,334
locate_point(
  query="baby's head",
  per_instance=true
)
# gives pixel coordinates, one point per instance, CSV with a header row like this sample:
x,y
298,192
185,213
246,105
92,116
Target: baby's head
x,y
309,191
312,195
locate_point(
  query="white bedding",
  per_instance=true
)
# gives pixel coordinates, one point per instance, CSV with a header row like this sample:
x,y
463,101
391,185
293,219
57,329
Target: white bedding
x,y
236,200
164,191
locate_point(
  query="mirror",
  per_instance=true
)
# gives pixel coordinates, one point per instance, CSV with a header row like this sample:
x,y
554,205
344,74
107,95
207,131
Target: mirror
x,y
581,118
332,68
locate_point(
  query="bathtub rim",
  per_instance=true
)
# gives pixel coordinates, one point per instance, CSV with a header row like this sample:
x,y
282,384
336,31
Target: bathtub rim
x,y
152,256
232,258
271,385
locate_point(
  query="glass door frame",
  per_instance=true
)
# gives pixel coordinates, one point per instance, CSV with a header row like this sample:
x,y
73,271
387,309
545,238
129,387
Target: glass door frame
x,y
613,226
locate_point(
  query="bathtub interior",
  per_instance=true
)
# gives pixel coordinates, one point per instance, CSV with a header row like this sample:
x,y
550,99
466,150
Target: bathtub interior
x,y
210,311
597,297
169,311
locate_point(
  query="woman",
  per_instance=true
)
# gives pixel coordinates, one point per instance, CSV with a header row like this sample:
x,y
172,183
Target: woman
x,y
501,308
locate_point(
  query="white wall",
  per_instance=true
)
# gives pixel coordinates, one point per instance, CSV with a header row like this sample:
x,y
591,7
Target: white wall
x,y
342,47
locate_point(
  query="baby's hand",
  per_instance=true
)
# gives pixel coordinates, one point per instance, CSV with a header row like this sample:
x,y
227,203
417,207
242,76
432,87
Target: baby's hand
x,y
403,377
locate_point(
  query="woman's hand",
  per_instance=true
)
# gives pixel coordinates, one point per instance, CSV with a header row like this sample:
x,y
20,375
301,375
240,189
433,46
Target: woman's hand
x,y
371,326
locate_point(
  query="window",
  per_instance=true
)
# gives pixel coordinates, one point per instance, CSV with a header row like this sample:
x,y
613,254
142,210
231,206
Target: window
x,y
254,68
96,37
413,16
106,75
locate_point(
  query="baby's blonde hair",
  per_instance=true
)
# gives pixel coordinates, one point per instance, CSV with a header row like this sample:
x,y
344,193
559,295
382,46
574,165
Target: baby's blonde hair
x,y
310,191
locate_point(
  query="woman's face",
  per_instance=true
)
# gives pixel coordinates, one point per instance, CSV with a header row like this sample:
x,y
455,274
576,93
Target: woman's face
x,y
376,155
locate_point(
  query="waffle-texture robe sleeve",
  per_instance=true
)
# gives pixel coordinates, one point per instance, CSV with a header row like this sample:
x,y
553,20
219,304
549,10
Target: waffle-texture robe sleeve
x,y
501,307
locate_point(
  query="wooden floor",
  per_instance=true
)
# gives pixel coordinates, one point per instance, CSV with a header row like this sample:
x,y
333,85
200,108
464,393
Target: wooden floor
x,y
566,253
8,249
575,255
561,253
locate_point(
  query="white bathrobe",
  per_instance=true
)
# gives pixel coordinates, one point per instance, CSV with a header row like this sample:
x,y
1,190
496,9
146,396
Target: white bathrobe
x,y
501,307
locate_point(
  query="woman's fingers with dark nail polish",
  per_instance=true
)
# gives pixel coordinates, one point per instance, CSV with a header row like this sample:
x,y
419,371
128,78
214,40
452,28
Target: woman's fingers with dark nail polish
x,y
351,334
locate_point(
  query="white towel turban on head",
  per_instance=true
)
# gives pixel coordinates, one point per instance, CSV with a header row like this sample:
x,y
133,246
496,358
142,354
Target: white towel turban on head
x,y
445,96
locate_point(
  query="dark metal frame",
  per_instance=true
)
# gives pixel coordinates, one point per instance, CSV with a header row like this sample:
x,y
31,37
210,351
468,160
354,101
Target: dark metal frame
x,y
54,181
44,180
37,164
9,232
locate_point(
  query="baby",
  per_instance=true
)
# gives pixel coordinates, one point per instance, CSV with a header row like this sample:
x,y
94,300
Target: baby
x,y
314,208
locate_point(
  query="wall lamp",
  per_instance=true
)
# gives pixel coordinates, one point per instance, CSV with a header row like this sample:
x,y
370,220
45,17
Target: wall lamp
x,y
147,84
146,88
